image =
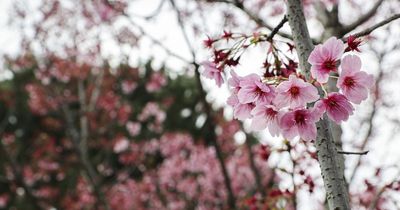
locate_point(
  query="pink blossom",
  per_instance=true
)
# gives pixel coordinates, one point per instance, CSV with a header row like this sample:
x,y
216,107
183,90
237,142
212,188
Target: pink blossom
x,y
265,116
156,82
301,123
128,86
337,107
353,82
295,93
234,82
253,90
121,145
133,128
240,111
324,59
4,200
211,71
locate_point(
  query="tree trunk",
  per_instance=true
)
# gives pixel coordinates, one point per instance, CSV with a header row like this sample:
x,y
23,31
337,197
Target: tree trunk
x,y
334,182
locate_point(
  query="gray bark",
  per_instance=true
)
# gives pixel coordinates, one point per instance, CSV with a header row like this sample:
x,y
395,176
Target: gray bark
x,y
333,177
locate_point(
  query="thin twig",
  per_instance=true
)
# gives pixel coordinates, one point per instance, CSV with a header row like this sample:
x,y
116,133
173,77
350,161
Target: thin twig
x,y
253,166
210,123
364,18
277,28
372,28
353,153
149,36
371,117
239,4
292,173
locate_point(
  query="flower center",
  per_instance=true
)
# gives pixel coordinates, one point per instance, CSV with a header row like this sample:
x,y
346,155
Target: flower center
x,y
349,82
259,91
329,65
294,91
299,118
270,113
332,103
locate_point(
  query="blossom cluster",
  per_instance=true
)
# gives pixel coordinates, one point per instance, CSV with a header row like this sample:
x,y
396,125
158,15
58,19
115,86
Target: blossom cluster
x,y
292,105
184,175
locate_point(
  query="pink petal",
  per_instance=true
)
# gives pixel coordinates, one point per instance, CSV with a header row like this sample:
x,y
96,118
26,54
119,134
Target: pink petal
x,y
259,123
308,131
335,48
356,94
367,80
273,128
281,100
320,75
247,95
316,56
263,87
310,94
242,111
234,81
350,65
232,100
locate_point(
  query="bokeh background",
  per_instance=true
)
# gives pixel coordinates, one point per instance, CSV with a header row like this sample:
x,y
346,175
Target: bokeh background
x,y
103,106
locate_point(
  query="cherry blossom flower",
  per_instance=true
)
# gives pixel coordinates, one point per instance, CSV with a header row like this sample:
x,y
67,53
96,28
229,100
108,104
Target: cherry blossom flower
x,y
240,111
253,90
211,71
156,82
128,86
121,145
4,198
234,82
324,59
266,116
301,123
295,93
337,107
133,128
353,82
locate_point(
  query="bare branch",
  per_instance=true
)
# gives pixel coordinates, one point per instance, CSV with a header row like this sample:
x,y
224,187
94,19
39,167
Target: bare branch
x,y
16,170
238,4
96,91
85,162
156,41
277,28
378,25
364,18
253,166
353,153
372,115
210,123
156,11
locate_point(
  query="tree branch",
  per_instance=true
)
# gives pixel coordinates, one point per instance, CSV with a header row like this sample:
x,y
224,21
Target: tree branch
x,y
378,25
259,21
353,153
85,162
210,123
277,28
333,177
364,18
253,166
16,170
